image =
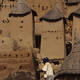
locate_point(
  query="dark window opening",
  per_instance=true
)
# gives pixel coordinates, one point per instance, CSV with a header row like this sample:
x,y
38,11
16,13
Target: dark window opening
x,y
56,62
57,38
48,31
1,31
21,26
38,6
20,67
21,39
2,41
43,8
68,48
22,21
16,55
4,67
9,55
38,41
66,0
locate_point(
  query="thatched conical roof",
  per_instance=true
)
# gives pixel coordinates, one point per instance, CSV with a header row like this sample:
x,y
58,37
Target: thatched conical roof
x,y
72,1
54,14
75,13
71,64
21,7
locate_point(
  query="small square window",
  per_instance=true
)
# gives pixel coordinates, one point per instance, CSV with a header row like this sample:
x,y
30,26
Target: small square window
x,y
0,31
2,41
22,21
57,38
43,8
21,26
21,39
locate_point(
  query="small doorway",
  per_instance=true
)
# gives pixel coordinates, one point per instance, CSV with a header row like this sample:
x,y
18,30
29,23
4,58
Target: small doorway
x,y
68,48
38,41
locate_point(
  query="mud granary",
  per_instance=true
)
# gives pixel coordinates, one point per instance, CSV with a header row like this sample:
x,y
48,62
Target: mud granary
x,y
34,29
70,69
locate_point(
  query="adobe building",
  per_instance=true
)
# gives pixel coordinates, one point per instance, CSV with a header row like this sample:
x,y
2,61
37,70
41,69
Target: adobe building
x,y
71,6
5,41
18,32
18,29
75,17
52,37
42,7
21,25
16,41
70,69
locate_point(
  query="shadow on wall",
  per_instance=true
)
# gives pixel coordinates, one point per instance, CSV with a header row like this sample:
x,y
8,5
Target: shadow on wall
x,y
15,45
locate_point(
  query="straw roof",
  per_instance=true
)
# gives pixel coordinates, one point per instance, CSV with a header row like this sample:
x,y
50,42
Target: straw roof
x,y
75,13
21,8
54,14
71,64
72,1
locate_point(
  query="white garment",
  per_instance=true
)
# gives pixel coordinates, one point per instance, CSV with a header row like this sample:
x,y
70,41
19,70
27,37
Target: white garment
x,y
48,69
